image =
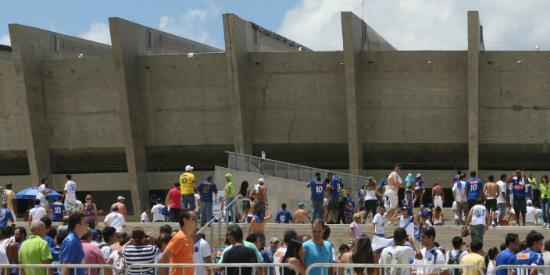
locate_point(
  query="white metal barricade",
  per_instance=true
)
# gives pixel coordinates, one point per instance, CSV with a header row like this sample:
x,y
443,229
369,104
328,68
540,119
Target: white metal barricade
x,y
90,269
525,269
386,269
214,268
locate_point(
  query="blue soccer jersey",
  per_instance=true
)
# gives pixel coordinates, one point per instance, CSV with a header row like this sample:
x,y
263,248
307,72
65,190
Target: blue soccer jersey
x,y
5,217
527,257
317,189
517,187
57,211
474,186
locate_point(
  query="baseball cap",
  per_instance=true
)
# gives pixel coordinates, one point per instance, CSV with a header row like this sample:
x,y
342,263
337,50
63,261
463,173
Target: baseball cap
x,y
188,168
274,240
529,202
300,204
120,198
261,180
455,178
418,175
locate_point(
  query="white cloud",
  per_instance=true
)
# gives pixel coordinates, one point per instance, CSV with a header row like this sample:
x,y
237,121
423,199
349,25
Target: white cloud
x,y
98,32
422,24
5,40
191,24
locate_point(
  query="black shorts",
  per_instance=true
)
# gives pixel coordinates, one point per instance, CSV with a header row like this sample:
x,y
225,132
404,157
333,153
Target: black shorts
x,y
370,206
520,205
491,205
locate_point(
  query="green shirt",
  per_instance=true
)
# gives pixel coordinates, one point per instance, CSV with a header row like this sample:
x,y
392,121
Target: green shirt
x,y
545,191
250,245
534,183
229,190
34,250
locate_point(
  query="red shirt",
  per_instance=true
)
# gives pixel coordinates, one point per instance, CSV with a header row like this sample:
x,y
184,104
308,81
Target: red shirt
x,y
174,197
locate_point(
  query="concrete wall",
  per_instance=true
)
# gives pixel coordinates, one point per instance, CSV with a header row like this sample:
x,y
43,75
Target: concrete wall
x,y
185,100
82,107
12,133
279,190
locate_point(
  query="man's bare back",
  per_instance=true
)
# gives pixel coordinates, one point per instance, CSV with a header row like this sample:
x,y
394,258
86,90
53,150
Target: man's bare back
x,y
301,215
491,190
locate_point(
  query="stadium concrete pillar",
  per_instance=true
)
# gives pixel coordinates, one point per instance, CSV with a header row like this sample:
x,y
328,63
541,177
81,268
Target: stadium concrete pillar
x,y
474,44
31,46
352,30
242,37
131,40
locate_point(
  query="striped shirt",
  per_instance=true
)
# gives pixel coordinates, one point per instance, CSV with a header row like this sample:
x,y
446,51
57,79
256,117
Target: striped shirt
x,y
140,254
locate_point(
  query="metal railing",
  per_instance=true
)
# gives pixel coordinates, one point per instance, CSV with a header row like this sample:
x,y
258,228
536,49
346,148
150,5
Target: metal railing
x,y
525,269
281,169
387,269
54,268
218,217
214,268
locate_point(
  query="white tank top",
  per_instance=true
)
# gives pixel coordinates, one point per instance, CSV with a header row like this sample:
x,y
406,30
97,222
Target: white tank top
x,y
479,215
3,253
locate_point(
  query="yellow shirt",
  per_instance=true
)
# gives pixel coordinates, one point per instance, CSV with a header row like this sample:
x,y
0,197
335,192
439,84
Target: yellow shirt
x,y
472,259
187,183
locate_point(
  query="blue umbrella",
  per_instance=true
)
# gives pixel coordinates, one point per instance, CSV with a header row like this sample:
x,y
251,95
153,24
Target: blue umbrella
x,y
30,194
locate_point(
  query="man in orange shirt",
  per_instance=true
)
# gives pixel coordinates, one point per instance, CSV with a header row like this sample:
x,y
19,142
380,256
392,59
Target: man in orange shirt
x,y
180,248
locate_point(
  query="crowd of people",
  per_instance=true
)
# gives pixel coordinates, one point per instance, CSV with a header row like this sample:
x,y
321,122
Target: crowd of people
x,y
476,206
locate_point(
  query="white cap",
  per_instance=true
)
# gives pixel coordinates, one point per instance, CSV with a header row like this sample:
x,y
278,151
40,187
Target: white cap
x,y
120,198
261,180
418,175
529,202
188,168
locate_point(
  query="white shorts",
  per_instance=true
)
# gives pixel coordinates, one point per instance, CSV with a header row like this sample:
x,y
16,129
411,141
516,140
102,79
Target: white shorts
x,y
390,199
70,206
438,201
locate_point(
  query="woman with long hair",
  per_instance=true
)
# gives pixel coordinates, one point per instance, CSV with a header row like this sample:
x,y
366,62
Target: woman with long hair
x,y
361,254
245,200
371,198
490,261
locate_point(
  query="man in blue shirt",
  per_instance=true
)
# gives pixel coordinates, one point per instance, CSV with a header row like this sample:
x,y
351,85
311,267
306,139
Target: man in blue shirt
x,y
507,256
517,189
418,189
530,256
5,216
71,251
317,250
317,187
335,185
206,189
283,216
474,188
58,210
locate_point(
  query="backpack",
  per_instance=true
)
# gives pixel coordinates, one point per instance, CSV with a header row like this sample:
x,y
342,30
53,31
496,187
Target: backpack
x,y
455,261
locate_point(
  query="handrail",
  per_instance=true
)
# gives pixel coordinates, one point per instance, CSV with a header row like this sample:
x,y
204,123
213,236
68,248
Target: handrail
x,y
391,266
218,215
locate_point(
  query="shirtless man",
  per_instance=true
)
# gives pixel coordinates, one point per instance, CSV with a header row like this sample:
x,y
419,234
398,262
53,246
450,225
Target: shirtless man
x,y
391,201
257,225
437,195
260,196
301,214
490,190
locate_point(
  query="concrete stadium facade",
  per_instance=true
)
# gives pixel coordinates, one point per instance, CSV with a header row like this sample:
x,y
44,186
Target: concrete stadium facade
x,y
131,115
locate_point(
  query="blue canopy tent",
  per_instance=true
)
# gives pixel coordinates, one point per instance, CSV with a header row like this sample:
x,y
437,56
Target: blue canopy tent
x,y
30,194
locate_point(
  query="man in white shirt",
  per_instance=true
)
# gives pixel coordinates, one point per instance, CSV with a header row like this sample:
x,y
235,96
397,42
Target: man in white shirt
x,y
454,256
156,210
501,199
478,221
37,212
399,253
430,255
530,214
69,192
115,219
145,215
407,221
459,195
201,254
378,222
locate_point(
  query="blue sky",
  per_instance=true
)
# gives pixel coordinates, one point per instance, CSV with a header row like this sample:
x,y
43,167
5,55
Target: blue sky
x,y
78,17
407,24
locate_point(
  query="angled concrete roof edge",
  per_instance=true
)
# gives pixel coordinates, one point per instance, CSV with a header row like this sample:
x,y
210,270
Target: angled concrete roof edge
x,y
274,35
368,28
213,49
67,36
